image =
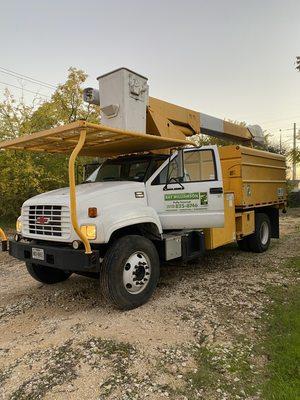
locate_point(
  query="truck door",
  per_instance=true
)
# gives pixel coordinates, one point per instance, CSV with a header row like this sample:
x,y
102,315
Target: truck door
x,y
194,200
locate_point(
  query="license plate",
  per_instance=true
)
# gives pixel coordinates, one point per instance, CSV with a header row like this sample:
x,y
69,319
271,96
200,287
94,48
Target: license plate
x,y
38,254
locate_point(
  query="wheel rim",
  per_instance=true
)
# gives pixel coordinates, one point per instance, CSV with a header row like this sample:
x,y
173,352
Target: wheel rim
x,y
136,272
264,233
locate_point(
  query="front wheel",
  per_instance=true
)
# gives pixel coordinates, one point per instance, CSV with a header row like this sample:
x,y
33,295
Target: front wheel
x,y
47,275
129,272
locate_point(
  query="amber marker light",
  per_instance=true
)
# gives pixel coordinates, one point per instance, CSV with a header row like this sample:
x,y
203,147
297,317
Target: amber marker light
x,y
92,212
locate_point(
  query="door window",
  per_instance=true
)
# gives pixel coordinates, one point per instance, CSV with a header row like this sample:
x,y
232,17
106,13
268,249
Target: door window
x,y
199,166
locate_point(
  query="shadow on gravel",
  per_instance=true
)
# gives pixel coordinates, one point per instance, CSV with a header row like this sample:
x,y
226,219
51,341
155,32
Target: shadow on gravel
x,y
81,293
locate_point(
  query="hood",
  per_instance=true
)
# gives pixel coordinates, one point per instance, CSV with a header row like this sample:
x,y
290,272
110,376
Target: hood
x,y
84,191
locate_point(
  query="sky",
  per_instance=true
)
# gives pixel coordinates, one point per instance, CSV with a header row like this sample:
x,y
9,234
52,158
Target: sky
x,y
227,58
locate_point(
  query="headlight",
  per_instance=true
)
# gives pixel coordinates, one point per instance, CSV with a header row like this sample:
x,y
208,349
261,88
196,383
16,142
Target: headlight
x,y
19,225
90,231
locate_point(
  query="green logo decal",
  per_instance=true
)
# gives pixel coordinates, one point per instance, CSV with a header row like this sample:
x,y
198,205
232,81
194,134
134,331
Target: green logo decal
x,y
182,196
186,201
203,198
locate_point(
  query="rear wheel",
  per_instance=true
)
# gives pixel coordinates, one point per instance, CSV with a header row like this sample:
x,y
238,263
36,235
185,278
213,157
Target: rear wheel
x,y
47,275
259,241
129,272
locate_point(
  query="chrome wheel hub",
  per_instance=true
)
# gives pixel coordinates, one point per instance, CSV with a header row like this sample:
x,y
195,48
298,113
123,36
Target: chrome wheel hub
x,y
136,272
264,233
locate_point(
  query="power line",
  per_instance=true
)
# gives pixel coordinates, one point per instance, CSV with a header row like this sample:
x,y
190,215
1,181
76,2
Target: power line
x,y
286,129
286,139
26,90
262,115
280,119
26,77
280,128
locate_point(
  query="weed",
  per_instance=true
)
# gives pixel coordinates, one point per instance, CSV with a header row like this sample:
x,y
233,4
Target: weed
x,y
282,341
58,369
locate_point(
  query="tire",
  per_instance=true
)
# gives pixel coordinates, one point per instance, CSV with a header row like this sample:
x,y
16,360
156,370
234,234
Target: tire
x,y
129,272
259,241
243,244
47,275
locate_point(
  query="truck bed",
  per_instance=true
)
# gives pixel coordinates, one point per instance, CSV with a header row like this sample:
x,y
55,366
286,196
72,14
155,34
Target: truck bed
x,y
257,178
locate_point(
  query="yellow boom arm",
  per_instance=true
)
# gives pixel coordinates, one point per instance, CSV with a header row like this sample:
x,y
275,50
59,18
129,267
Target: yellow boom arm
x,y
169,120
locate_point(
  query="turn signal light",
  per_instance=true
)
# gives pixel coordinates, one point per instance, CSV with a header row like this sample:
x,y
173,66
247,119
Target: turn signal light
x,y
90,231
19,225
92,212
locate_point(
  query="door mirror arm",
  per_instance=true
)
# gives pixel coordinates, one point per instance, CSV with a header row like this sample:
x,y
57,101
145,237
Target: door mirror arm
x,y
179,160
176,180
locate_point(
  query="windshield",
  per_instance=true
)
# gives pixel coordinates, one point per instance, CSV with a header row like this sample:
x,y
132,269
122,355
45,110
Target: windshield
x,y
121,170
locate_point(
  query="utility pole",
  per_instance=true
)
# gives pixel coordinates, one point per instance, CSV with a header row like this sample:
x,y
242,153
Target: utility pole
x,y
294,152
298,63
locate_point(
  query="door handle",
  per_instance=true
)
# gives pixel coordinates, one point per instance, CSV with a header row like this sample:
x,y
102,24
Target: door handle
x,y
216,190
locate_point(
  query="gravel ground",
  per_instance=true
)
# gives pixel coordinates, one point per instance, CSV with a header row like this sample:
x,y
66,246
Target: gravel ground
x,y
65,342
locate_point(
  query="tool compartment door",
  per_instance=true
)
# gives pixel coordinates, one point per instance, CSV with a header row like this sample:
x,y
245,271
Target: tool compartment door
x,y
193,201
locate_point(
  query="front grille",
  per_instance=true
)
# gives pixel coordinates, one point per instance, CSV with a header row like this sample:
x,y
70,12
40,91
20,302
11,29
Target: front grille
x,y
46,220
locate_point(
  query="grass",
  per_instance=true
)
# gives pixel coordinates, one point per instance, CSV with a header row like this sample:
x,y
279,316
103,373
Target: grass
x,y
61,364
226,370
207,371
109,348
282,341
294,264
279,379
58,369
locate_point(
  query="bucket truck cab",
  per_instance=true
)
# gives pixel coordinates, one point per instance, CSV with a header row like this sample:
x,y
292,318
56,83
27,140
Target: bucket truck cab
x,y
146,212
144,206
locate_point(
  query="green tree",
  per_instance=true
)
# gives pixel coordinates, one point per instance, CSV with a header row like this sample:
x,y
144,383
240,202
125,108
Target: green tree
x,y
22,174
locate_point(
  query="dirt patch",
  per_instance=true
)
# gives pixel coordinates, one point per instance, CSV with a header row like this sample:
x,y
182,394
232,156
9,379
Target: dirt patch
x,y
62,341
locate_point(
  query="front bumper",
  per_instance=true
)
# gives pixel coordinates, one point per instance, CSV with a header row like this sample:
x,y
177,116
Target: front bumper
x,y
64,258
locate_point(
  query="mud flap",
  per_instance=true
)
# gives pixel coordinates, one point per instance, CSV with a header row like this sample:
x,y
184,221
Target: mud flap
x,y
4,246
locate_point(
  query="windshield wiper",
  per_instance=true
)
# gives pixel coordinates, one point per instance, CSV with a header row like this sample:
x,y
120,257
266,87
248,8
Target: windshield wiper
x,y
111,178
88,181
